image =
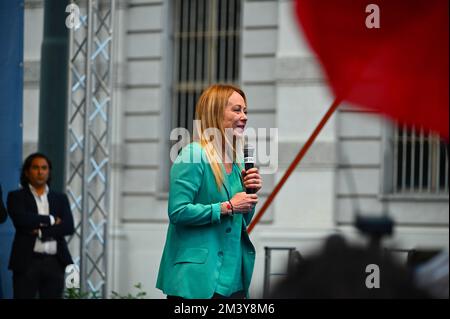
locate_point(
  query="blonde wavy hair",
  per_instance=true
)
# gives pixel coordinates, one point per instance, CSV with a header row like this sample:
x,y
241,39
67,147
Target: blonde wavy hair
x,y
210,115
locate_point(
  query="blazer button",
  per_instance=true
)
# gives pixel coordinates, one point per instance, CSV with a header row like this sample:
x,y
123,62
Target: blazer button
x,y
228,230
220,253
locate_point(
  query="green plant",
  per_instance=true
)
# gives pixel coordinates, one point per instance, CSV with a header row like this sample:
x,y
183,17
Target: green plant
x,y
140,294
75,293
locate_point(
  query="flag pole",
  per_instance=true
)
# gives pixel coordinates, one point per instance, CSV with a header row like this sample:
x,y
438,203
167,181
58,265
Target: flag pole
x,y
294,163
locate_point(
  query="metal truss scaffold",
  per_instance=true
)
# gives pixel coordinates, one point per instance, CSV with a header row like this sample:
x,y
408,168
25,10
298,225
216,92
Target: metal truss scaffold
x,y
89,139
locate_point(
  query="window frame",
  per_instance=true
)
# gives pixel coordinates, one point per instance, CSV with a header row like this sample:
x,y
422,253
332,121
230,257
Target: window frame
x,y
387,172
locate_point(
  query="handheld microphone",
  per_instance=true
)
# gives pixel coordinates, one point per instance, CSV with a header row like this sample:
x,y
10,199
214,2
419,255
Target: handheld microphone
x,y
249,162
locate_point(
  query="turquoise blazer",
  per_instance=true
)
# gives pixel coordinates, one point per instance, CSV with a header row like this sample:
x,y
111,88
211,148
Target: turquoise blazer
x,y
196,237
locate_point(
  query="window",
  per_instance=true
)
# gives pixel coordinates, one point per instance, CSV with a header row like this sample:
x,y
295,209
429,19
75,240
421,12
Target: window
x,y
206,50
420,163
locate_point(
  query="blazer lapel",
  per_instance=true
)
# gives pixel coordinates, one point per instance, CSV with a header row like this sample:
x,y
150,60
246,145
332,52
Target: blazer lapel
x,y
51,203
31,201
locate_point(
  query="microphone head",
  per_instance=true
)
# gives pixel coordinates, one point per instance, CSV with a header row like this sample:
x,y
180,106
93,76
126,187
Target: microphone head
x,y
249,163
249,150
249,158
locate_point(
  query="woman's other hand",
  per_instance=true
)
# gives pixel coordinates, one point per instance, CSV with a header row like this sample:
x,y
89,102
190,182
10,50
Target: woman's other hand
x,y
243,202
252,179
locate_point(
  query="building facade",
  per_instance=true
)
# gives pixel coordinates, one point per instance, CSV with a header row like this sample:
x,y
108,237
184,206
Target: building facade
x,y
166,51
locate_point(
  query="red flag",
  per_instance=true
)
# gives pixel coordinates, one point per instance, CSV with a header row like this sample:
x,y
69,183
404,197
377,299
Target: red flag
x,y
400,69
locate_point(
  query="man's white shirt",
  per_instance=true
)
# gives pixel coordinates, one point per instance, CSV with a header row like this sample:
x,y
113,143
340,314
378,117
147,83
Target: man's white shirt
x,y
47,247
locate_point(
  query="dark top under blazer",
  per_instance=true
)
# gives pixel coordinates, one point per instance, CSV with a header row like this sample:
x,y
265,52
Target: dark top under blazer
x,y
23,211
2,207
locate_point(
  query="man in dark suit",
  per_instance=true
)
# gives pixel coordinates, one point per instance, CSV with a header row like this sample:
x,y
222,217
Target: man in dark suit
x,y
2,207
42,218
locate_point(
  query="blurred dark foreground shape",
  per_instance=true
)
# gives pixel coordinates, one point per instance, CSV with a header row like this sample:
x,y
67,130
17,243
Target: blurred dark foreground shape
x,y
340,270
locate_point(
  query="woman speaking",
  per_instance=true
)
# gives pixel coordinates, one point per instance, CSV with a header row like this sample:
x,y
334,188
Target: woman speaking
x,y
208,253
